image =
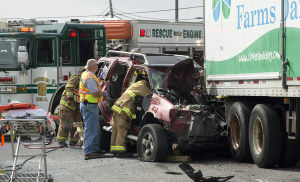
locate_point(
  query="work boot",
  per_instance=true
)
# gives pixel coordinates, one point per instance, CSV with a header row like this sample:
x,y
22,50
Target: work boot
x,y
101,152
72,143
75,145
123,155
62,144
93,155
114,153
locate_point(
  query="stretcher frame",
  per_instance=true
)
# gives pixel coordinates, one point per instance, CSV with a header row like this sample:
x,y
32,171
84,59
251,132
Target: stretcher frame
x,y
32,127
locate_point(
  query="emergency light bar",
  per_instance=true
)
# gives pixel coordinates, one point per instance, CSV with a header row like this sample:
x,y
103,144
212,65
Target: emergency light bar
x,y
72,33
23,29
26,29
142,32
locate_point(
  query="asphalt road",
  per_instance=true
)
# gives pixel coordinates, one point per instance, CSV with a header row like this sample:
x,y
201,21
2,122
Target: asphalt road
x,y
66,165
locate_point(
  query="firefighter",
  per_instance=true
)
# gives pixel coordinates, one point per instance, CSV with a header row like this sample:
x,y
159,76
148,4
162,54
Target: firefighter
x,y
69,112
124,113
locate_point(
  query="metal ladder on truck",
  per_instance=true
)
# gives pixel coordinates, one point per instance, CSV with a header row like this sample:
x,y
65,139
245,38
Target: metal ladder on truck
x,y
32,127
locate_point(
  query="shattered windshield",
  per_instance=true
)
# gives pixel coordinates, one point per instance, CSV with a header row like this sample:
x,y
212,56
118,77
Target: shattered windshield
x,y
9,51
156,78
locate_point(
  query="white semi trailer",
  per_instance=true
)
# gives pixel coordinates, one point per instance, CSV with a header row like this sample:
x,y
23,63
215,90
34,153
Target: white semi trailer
x,y
252,61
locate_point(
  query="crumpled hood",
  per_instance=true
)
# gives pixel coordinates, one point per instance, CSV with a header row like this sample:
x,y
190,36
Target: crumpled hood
x,y
180,77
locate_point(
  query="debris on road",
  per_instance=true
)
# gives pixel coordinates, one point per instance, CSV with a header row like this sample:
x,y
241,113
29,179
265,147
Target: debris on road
x,y
197,176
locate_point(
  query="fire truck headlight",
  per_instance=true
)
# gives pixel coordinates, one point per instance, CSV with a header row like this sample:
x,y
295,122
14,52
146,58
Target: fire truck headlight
x,y
8,90
2,90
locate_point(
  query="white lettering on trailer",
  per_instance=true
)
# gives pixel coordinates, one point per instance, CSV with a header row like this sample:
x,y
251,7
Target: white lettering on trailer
x,y
260,56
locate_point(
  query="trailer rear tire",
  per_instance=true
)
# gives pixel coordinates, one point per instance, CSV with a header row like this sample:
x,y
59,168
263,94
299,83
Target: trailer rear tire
x,y
239,116
152,144
290,153
265,136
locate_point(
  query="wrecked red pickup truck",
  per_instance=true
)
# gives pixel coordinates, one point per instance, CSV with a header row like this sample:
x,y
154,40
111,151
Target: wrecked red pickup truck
x,y
175,115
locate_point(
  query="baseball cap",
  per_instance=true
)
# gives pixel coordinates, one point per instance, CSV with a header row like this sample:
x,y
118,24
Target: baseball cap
x,y
91,62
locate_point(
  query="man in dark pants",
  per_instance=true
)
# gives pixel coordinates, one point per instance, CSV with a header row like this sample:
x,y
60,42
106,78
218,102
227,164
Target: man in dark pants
x,y
90,96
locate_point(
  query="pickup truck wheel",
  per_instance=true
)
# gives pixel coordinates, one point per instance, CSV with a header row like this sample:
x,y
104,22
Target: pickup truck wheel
x,y
104,135
239,116
264,136
152,144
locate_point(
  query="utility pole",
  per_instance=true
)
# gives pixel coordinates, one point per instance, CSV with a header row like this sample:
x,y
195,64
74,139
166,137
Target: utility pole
x,y
176,10
111,9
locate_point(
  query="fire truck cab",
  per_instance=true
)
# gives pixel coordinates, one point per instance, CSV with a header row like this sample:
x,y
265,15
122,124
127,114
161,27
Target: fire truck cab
x,y
38,57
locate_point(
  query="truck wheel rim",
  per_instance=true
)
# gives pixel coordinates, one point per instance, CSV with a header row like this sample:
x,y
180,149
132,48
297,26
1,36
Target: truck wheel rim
x,y
235,132
56,110
148,144
257,132
56,113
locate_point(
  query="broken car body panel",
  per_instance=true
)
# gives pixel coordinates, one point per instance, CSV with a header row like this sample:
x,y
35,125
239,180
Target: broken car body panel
x,y
180,77
173,104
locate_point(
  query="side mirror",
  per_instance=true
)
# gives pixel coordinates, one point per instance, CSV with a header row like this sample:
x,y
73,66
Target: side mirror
x,y
22,55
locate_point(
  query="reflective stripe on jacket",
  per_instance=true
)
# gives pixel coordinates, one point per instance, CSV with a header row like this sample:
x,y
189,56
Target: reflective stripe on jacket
x,y
76,95
126,102
116,109
131,93
84,92
72,84
129,113
117,148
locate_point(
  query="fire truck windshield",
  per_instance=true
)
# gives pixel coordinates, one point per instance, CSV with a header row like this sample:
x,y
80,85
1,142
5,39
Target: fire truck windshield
x,y
9,51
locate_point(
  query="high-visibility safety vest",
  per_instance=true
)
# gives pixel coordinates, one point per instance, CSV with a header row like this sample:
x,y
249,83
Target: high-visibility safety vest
x,y
84,92
70,91
125,104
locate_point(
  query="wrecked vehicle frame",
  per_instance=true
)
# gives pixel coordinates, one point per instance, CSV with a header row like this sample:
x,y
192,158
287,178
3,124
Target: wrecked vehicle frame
x,y
175,116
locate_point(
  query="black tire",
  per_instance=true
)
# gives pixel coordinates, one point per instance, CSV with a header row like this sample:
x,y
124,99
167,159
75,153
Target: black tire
x,y
152,144
290,147
238,126
54,104
50,179
265,136
290,153
104,135
57,121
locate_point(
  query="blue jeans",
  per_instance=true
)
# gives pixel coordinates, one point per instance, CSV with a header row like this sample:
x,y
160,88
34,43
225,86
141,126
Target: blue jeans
x,y
90,114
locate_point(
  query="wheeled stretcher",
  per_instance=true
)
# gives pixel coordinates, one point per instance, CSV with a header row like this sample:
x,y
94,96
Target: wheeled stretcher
x,y
27,123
